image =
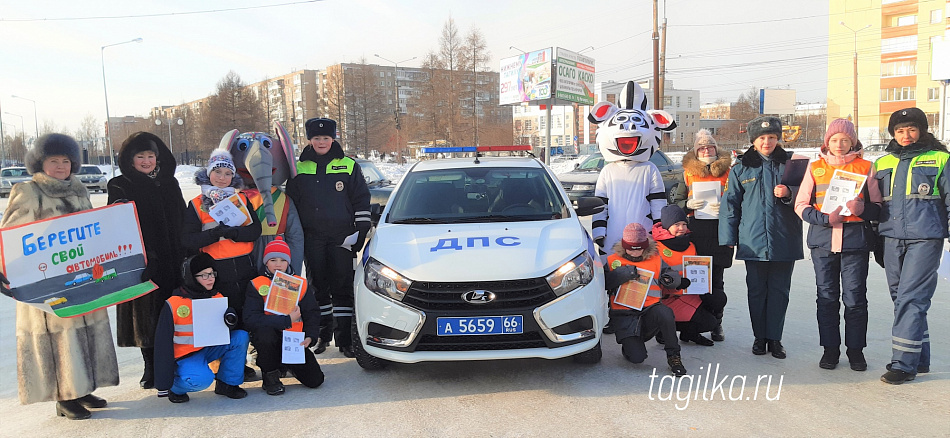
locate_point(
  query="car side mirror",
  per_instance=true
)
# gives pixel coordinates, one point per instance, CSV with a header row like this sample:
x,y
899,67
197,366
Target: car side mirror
x,y
375,211
590,205
576,165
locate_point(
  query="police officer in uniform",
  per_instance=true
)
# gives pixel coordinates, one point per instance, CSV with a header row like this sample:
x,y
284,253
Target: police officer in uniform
x,y
333,203
916,191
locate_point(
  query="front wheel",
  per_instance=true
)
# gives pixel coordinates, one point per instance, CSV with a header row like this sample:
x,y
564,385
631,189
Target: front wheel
x,y
591,356
364,359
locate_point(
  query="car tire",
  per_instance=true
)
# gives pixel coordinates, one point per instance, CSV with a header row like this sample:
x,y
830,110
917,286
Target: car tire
x,y
591,356
364,359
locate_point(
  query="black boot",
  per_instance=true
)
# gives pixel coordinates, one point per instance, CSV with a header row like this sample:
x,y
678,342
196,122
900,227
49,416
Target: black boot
x,y
148,377
272,384
90,401
857,360
72,410
717,334
829,360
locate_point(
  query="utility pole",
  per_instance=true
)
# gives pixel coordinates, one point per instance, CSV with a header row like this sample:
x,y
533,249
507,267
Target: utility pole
x,y
855,83
662,84
656,57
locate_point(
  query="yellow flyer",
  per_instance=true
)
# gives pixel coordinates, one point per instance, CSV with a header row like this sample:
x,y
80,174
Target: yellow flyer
x,y
284,293
633,293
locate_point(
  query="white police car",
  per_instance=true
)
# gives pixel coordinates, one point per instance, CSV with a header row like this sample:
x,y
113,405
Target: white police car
x,y
478,259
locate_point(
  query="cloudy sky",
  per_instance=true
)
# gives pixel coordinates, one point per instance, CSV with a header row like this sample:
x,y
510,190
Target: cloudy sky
x,y
50,51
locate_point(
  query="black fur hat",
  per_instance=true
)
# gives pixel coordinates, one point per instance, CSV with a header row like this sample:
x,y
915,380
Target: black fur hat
x,y
764,125
907,117
321,126
50,145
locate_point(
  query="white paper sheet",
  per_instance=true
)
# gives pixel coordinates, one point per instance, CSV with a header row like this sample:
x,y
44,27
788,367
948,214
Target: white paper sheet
x,y
839,192
708,191
292,351
698,276
229,213
208,322
350,241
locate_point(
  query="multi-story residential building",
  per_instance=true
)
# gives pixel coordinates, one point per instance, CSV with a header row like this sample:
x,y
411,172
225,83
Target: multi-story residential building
x,y
892,41
683,105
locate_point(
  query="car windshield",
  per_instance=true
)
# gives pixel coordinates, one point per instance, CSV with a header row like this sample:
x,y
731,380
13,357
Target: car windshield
x,y
89,170
371,174
14,172
593,162
477,195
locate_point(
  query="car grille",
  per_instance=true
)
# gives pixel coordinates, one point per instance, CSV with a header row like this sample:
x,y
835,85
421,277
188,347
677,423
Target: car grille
x,y
480,342
509,294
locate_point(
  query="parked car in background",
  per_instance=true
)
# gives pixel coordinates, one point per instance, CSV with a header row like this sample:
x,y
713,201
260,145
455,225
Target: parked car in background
x,y
580,182
379,187
876,147
93,178
10,176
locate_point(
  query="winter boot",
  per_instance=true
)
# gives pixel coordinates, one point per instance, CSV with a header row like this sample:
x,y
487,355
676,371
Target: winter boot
x,y
231,391
697,338
896,377
148,377
857,360
676,365
90,401
72,410
272,384
717,334
829,360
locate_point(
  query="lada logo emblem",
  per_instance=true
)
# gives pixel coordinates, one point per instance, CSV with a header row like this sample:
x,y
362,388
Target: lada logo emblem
x,y
479,296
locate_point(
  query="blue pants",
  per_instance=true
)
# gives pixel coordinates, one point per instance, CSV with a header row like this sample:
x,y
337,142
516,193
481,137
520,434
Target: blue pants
x,y
911,268
193,373
768,284
842,277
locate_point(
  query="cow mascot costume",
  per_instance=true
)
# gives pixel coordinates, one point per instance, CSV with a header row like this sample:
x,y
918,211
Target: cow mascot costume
x,y
628,134
265,162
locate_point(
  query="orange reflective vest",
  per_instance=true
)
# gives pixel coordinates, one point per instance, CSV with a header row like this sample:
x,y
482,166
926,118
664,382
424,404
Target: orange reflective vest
x,y
184,337
690,179
223,248
684,306
281,207
262,286
821,171
654,264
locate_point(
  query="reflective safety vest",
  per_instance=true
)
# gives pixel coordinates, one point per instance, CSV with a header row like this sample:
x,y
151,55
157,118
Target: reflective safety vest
x,y
337,165
683,305
262,286
281,207
224,248
822,172
690,179
931,162
184,337
654,264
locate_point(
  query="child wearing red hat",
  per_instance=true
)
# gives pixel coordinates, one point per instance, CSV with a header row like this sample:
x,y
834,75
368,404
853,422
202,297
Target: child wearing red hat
x,y
266,328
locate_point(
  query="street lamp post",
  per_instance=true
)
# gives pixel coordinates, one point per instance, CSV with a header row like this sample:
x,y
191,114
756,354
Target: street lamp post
x,y
158,122
36,126
396,100
102,53
855,82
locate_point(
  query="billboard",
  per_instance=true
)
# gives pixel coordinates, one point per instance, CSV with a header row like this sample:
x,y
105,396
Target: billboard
x,y
525,77
575,77
776,101
940,60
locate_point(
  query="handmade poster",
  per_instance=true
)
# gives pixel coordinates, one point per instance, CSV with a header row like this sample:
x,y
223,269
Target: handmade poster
x,y
207,319
708,191
698,269
633,293
291,350
77,263
283,294
231,211
843,187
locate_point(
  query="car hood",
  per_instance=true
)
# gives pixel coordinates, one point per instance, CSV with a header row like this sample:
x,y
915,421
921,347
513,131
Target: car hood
x,y
478,252
576,177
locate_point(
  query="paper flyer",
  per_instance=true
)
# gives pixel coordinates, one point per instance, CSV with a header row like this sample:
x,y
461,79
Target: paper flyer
x,y
233,213
843,187
633,293
708,191
291,350
283,294
207,316
698,269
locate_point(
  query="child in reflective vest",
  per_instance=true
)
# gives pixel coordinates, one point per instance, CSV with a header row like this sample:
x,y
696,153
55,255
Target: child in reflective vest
x,y
672,238
636,323
840,241
180,366
267,328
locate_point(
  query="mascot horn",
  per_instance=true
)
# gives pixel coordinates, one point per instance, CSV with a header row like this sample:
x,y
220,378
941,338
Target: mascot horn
x,y
629,130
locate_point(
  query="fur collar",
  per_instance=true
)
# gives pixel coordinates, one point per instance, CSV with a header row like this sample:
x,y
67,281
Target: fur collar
x,y
55,188
717,168
752,158
649,252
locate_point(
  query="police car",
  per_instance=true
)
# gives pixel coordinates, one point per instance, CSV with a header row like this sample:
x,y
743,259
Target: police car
x,y
479,258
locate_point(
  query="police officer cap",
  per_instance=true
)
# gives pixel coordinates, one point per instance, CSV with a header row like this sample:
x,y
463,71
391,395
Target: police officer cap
x,y
321,126
907,117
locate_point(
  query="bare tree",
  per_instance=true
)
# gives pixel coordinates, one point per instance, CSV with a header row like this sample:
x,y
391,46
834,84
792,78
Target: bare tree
x,y
233,106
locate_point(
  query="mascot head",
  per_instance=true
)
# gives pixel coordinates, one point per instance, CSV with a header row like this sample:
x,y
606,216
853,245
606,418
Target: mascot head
x,y
629,130
262,161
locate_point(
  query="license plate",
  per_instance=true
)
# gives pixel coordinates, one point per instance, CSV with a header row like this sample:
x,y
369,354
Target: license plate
x,y
480,325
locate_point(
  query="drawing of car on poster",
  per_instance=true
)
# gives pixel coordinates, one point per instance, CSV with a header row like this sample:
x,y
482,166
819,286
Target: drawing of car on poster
x,y
106,276
79,279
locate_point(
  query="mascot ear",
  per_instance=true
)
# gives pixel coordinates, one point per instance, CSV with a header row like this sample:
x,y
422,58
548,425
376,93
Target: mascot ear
x,y
288,147
664,121
228,139
601,112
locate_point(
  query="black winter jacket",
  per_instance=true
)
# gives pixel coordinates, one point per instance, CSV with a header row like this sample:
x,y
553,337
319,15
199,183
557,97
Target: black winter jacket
x,y
255,319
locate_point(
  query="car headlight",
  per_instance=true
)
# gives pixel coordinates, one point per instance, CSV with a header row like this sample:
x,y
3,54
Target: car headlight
x,y
102,180
572,275
384,281
5,183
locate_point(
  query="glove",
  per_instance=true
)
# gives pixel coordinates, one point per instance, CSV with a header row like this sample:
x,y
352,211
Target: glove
x,y
835,218
151,266
5,286
599,241
856,206
684,283
218,231
230,318
360,241
231,232
714,208
671,280
628,272
695,204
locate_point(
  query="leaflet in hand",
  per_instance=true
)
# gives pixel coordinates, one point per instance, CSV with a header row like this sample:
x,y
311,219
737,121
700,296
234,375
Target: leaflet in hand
x,y
708,191
231,211
633,293
284,293
207,321
291,350
843,187
698,269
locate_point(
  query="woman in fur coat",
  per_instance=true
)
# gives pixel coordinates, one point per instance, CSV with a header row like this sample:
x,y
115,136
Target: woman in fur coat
x,y
148,179
61,359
